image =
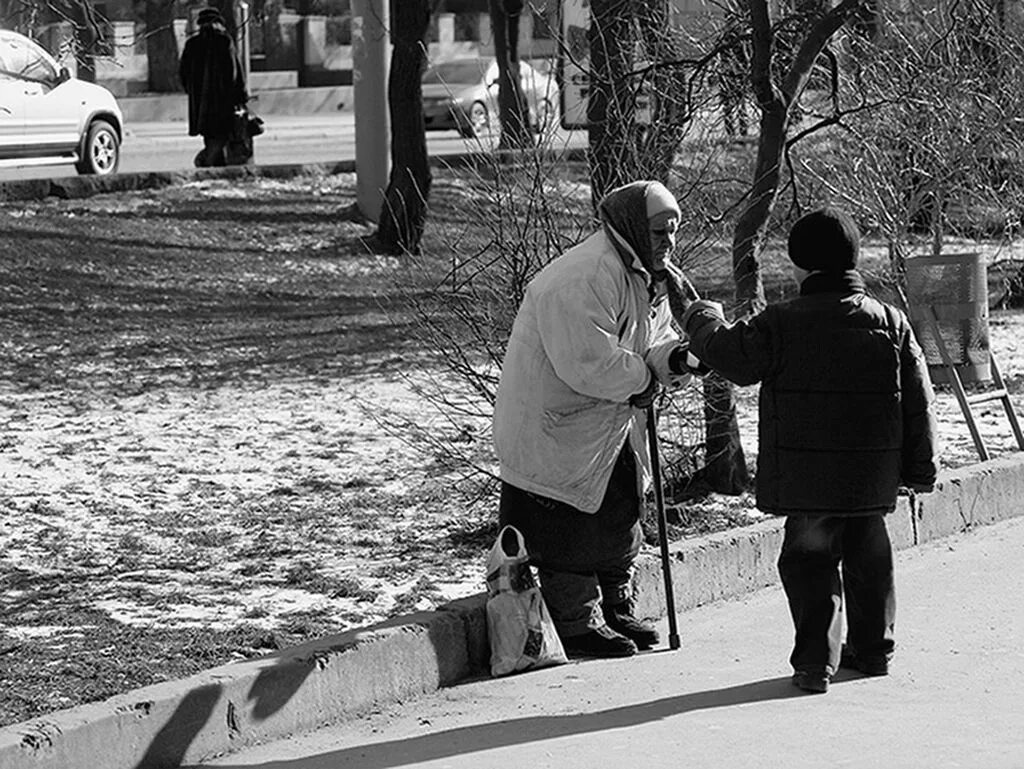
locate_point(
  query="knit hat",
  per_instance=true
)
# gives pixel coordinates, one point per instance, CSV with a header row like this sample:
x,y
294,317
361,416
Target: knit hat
x,y
825,240
209,16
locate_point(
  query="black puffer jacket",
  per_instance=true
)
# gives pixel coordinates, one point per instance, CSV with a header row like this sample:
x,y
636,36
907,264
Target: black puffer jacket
x,y
844,414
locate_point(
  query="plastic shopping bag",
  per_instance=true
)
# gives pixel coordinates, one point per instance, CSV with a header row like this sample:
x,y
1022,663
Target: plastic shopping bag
x,y
520,630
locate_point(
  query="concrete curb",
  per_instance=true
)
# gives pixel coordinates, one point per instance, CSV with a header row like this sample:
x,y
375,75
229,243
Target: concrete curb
x,y
344,676
77,187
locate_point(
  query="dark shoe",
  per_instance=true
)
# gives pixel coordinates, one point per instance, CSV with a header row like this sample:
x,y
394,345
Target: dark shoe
x,y
599,642
811,681
621,620
869,666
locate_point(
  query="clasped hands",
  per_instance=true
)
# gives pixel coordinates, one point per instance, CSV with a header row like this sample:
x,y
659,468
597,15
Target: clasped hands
x,y
681,366
681,294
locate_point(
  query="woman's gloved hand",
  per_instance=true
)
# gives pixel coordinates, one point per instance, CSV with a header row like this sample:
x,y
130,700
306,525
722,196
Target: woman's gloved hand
x,y
645,397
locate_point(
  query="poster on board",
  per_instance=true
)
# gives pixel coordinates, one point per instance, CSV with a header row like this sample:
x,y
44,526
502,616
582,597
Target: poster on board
x,y
574,64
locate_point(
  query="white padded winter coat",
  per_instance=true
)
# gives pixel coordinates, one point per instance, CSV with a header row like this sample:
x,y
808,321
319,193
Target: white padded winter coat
x,y
579,348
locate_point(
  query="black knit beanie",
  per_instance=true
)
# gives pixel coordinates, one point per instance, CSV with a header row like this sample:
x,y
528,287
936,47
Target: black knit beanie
x,y
825,240
209,16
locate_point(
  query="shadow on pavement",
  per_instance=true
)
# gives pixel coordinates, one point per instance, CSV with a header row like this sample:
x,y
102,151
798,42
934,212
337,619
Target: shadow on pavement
x,y
469,739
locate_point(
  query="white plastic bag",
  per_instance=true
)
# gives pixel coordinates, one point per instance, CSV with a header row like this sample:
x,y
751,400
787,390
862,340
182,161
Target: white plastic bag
x,y
520,630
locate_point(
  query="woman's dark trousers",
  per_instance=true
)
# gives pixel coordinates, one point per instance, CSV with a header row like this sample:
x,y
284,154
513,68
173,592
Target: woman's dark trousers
x,y
582,559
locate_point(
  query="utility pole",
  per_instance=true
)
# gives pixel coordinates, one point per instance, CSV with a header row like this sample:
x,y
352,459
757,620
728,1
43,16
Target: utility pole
x,y
370,100
242,25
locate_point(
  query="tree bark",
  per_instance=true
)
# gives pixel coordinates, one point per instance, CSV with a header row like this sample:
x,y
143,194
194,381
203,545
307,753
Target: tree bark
x,y
725,464
87,37
610,105
775,101
227,10
662,137
513,112
162,54
724,452
404,214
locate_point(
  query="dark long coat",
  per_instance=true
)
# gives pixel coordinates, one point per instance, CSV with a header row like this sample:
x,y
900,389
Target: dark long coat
x,y
214,81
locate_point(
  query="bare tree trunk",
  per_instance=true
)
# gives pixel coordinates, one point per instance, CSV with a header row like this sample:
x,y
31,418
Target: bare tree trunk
x,y
610,105
670,110
88,36
775,103
227,10
162,52
513,112
726,470
405,201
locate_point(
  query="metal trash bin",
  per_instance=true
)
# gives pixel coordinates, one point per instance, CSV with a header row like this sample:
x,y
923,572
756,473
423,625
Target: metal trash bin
x,y
956,287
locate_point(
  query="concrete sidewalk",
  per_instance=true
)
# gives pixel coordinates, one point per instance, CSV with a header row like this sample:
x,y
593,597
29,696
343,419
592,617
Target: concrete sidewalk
x,y
954,697
346,677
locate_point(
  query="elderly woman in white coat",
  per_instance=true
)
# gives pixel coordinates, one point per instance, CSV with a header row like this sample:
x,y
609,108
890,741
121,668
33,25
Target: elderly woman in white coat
x,y
590,346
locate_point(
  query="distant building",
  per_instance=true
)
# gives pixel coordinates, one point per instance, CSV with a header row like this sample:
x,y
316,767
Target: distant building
x,y
308,42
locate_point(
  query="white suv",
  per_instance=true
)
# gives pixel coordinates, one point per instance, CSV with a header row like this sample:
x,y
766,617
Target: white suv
x,y
48,117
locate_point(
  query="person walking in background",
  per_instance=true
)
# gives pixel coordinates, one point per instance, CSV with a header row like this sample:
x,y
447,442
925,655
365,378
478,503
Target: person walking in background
x,y
845,418
590,346
214,80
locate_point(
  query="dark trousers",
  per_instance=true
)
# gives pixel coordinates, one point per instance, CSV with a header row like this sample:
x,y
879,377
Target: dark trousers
x,y
583,559
825,558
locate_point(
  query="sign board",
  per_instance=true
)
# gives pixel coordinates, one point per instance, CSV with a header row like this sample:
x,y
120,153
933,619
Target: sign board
x,y
574,60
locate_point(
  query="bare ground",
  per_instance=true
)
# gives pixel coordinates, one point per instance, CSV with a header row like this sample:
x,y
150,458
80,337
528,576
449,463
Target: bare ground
x,y
192,463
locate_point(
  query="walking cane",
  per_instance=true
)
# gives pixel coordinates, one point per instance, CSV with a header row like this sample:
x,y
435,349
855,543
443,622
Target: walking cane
x,y
659,498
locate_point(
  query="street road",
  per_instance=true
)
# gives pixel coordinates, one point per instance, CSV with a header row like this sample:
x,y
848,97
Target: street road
x,y
166,146
954,698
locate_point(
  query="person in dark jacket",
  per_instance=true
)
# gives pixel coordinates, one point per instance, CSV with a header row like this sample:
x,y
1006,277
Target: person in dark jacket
x,y
845,418
214,80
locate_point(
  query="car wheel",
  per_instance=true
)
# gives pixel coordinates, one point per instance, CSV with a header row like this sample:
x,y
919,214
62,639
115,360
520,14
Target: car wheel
x,y
479,119
101,150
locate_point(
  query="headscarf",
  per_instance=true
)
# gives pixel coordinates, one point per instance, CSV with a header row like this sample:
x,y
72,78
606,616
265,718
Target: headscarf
x,y
625,212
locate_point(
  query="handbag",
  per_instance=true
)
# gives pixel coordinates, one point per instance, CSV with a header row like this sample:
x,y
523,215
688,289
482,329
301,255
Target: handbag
x,y
246,124
239,148
520,630
254,124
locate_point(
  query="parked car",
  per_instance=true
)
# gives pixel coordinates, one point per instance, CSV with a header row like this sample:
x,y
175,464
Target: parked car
x,y
48,117
462,94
